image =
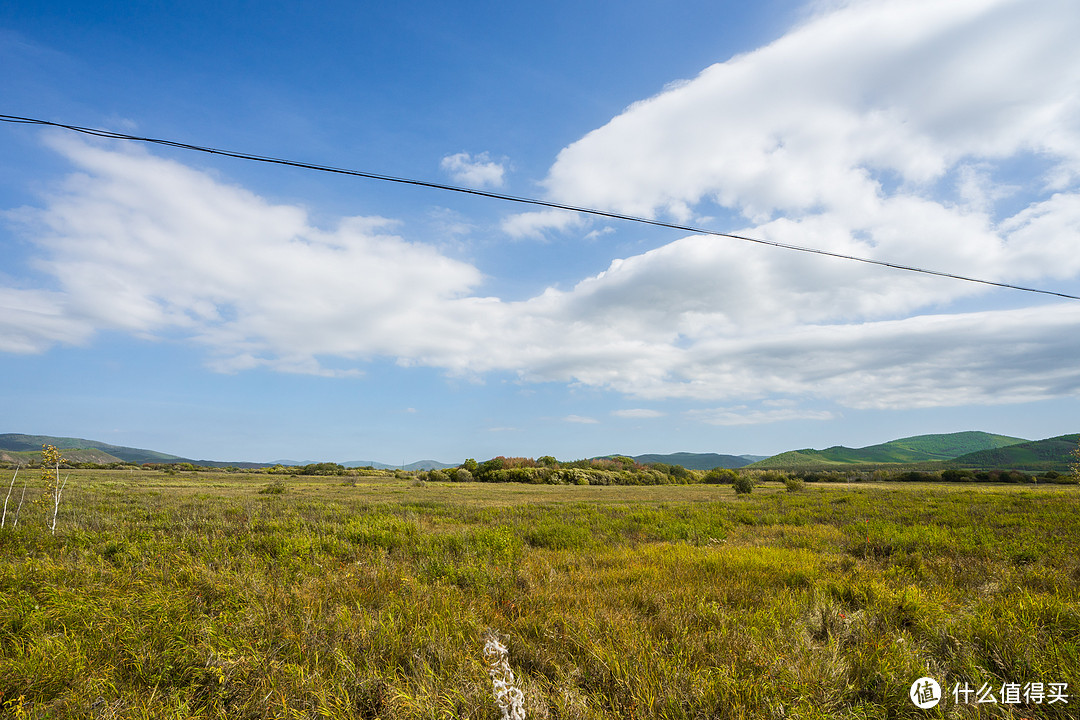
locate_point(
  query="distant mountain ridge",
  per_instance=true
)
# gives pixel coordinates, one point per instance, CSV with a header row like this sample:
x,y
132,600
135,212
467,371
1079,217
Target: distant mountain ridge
x,y
418,465
694,461
83,450
918,448
23,443
969,449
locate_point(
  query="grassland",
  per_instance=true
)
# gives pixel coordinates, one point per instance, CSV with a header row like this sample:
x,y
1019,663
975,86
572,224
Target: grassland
x,y
198,596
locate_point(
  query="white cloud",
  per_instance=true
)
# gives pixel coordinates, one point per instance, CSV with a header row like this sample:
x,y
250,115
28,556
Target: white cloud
x,y
31,321
149,246
478,171
637,413
879,129
580,419
743,415
855,121
534,224
597,234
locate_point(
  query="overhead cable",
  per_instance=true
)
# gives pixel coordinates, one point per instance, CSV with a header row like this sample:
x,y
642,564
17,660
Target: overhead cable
x,y
521,200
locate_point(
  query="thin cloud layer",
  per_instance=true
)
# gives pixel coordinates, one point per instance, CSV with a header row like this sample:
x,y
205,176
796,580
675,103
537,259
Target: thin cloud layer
x,y
149,246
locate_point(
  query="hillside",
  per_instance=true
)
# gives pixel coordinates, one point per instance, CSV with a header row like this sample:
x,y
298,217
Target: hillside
x,y
86,455
33,443
1041,455
18,448
915,449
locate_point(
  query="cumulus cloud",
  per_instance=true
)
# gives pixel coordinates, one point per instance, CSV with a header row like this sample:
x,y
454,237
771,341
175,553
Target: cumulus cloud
x,y
891,130
145,245
892,122
475,171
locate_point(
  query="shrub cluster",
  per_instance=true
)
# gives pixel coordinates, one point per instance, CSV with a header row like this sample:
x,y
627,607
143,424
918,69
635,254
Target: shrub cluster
x,y
619,470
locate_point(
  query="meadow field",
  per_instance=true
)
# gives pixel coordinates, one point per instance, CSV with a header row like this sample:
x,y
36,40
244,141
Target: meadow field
x,y
240,595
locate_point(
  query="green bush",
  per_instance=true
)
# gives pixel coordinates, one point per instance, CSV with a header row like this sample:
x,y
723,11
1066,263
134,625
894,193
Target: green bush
x,y
275,488
720,476
459,474
743,484
794,484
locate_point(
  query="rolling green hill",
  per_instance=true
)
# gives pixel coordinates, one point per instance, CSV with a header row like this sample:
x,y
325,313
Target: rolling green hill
x,y
1041,455
86,455
915,449
33,443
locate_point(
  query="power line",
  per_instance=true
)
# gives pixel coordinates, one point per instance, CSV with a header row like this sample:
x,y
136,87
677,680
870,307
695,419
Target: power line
x,y
517,199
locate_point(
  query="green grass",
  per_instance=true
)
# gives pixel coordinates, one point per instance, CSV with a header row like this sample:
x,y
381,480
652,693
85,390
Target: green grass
x,y
201,596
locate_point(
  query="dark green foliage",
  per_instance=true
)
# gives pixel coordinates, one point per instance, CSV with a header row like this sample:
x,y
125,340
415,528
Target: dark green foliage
x,y
743,484
720,476
693,461
484,471
460,474
915,476
323,468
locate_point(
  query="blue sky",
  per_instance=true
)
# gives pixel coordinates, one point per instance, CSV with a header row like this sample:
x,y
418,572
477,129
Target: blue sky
x,y
226,310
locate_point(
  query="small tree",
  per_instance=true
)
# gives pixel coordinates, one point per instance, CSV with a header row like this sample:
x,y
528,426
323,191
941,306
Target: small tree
x,y
50,475
1075,466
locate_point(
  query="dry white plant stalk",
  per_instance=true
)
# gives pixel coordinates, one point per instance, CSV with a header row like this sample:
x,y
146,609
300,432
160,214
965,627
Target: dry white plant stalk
x,y
508,697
